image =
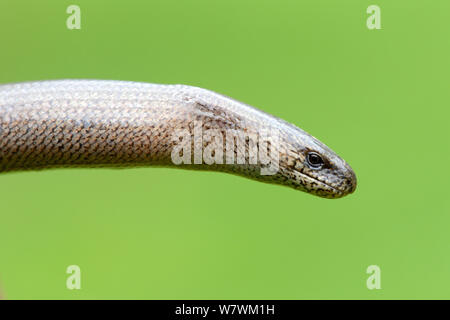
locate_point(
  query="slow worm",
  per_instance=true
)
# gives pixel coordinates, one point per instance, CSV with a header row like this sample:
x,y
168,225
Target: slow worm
x,y
96,123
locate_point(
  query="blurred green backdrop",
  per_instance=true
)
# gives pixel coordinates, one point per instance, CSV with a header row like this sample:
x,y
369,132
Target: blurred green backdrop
x,y
379,98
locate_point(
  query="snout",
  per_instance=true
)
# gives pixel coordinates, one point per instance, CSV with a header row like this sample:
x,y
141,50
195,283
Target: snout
x,y
350,180
347,182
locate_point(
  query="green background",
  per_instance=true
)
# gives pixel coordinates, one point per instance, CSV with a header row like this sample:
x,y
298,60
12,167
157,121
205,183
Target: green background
x,y
379,98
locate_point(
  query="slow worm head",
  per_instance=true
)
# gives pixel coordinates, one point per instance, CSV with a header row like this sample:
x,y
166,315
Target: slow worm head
x,y
97,123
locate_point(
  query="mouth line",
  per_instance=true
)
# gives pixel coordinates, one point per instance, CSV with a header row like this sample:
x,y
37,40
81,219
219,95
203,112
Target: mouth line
x,y
340,192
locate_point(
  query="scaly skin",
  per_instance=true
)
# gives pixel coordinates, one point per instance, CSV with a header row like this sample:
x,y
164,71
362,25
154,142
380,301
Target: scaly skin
x,y
73,123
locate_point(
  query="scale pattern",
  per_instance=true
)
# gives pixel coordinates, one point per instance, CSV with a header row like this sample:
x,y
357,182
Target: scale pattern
x,y
103,123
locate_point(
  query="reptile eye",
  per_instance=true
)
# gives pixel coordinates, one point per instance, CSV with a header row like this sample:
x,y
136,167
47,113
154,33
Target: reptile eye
x,y
314,160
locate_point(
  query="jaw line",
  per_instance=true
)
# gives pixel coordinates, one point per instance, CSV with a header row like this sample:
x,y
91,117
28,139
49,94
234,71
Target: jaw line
x,y
341,193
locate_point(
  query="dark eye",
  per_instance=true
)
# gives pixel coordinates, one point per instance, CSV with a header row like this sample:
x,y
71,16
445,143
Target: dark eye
x,y
314,160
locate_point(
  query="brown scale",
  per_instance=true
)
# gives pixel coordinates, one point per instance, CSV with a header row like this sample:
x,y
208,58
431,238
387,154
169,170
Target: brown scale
x,y
72,123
